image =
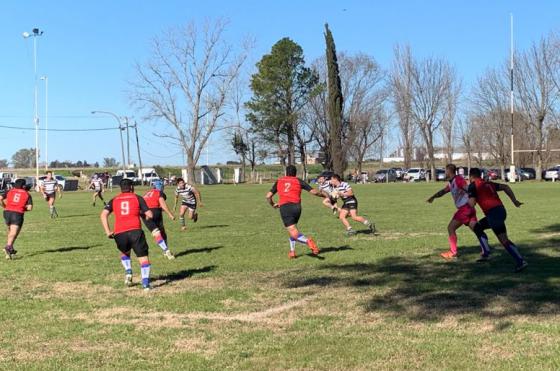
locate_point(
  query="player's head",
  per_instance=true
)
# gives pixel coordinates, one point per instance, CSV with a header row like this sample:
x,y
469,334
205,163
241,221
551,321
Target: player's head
x,y
94,176
335,180
127,185
19,183
157,184
49,174
450,171
474,173
181,183
291,170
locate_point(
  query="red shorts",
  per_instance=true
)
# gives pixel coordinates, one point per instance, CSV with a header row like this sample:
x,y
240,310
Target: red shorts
x,y
465,214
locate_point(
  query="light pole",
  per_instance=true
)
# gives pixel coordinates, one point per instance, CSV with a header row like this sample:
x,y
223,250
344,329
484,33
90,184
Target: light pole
x,y
121,128
35,33
46,80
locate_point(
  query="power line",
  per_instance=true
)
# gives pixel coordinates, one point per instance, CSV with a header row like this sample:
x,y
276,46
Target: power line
x,y
71,130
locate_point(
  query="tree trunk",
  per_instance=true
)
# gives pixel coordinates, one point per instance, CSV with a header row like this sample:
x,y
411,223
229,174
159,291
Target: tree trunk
x,y
291,144
539,151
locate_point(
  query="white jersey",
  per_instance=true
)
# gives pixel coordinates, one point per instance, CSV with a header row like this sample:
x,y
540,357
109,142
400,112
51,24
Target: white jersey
x,y
458,188
186,194
326,187
344,187
97,184
49,186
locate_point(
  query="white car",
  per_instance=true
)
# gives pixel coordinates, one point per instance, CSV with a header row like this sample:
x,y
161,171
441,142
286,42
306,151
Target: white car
x,y
150,177
59,178
415,174
552,173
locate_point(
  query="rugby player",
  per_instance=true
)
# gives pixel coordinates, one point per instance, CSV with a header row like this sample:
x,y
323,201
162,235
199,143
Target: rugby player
x,y
349,205
190,199
326,187
485,194
289,190
15,203
155,199
48,188
465,214
128,208
97,186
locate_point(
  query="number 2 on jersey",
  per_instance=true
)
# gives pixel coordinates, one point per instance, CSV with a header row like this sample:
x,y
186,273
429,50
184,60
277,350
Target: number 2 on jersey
x,y
287,187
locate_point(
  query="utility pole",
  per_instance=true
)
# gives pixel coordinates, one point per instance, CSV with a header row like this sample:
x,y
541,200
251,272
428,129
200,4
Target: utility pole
x,y
512,165
138,148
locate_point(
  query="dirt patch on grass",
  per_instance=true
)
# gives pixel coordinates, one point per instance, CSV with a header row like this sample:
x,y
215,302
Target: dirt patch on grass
x,y
206,348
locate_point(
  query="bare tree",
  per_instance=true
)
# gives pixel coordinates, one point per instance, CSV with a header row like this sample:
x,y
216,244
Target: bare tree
x,y
448,123
537,90
187,84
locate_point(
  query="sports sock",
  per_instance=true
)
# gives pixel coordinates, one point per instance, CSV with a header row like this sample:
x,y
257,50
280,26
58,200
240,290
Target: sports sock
x,y
366,222
159,239
512,250
453,244
182,221
292,244
51,209
301,238
125,261
482,239
145,272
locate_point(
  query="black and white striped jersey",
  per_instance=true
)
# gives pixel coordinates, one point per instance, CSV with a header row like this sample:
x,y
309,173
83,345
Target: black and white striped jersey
x,y
186,194
343,187
49,186
326,187
96,184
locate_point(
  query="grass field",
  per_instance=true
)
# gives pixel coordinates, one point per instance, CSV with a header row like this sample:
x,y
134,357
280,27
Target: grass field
x,y
232,299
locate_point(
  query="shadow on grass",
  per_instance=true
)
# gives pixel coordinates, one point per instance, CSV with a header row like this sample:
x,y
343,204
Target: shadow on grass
x,y
77,215
63,249
425,288
181,275
214,226
200,250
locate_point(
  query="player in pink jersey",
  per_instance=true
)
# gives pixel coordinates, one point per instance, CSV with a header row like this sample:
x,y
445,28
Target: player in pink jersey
x,y
465,214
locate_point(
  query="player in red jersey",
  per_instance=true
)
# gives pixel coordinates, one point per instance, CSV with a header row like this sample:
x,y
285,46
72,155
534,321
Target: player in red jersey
x,y
128,208
465,214
485,194
15,203
155,199
289,190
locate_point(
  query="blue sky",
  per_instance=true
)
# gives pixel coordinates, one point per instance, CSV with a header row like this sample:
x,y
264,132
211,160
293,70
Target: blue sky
x,y
89,48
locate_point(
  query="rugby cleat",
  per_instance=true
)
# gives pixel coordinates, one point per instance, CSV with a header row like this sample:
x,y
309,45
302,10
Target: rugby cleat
x,y
371,227
313,246
335,211
448,255
521,266
169,255
351,232
483,258
147,288
195,217
128,279
292,255
10,252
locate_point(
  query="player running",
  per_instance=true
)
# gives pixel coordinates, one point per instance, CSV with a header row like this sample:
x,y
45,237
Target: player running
x,y
49,188
289,190
155,199
128,208
486,195
97,186
349,205
15,203
465,214
327,189
190,199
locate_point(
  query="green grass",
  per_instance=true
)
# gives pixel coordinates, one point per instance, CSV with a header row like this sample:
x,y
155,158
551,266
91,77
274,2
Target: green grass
x,y
232,299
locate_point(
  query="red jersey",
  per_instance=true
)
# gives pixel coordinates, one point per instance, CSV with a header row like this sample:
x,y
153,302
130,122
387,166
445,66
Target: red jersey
x,y
486,194
289,189
152,198
127,208
17,200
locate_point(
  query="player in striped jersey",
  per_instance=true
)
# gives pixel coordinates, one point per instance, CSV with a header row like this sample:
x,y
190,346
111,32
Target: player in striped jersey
x,y
327,189
349,205
97,186
190,199
49,187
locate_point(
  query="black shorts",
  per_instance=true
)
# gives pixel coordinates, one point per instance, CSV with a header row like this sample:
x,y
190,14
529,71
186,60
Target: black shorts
x,y
333,200
191,205
156,221
48,196
132,240
290,214
351,203
495,219
13,218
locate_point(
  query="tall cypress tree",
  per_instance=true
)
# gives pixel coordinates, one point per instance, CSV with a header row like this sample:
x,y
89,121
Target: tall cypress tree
x,y
338,157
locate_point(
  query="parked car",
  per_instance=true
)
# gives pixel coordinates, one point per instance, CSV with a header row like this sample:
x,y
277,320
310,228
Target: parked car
x,y
129,174
385,175
59,178
528,173
399,172
494,174
518,176
552,173
415,174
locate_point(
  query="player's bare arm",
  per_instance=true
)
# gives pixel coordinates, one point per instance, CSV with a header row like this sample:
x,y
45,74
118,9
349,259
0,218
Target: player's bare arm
x,y
197,197
59,191
438,194
175,204
269,199
348,193
105,223
2,203
164,207
507,190
318,193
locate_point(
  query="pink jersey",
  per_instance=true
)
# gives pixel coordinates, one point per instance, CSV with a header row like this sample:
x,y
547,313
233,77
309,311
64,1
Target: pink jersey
x,y
458,188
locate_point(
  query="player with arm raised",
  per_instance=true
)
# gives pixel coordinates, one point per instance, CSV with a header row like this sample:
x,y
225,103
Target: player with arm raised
x,y
15,202
49,187
485,194
155,199
190,199
327,189
128,208
349,205
465,214
97,186
289,190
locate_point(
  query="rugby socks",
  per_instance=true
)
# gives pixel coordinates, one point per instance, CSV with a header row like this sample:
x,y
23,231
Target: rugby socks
x,y
159,239
292,244
182,221
301,238
125,261
453,244
145,272
512,250
482,239
51,210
